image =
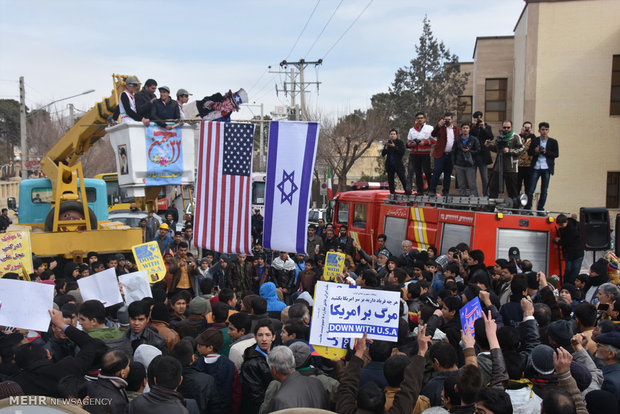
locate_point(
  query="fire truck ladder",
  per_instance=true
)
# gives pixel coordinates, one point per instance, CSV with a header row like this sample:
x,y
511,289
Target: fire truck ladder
x,y
456,202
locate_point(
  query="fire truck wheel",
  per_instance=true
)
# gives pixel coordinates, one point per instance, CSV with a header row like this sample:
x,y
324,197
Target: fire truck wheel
x,y
70,210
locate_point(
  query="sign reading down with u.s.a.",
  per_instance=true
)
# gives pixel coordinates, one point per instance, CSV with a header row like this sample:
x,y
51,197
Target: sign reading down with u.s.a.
x,y
354,311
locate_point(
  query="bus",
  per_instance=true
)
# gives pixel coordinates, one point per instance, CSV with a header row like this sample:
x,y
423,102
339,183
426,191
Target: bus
x,y
258,191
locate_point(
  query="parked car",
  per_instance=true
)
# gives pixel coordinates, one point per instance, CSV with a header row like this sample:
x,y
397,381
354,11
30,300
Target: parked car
x,y
315,214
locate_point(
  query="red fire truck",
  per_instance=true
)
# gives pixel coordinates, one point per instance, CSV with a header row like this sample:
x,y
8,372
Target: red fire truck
x,y
444,222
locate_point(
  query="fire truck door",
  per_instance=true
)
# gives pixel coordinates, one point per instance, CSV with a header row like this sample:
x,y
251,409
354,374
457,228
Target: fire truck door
x,y
533,246
453,234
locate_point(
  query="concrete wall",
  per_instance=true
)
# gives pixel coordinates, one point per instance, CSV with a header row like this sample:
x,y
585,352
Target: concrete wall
x,y
576,42
493,58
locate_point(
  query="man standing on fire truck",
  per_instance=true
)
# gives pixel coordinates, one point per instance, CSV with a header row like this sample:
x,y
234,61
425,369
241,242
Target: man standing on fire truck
x,y
419,141
445,133
508,146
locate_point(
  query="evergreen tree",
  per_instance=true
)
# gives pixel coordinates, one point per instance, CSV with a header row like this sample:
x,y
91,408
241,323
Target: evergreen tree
x,y
431,83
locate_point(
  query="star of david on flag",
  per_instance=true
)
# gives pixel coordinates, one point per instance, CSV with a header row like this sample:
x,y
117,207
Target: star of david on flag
x,y
290,162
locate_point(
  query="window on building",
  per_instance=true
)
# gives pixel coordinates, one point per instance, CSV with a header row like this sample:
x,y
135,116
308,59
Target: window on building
x,y
612,199
495,99
614,108
464,108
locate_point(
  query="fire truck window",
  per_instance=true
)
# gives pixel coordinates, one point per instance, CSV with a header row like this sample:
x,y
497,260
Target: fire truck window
x,y
533,246
343,213
395,229
453,234
359,216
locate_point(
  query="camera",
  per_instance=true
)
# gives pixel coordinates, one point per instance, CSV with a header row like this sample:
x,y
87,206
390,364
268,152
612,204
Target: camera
x,y
527,129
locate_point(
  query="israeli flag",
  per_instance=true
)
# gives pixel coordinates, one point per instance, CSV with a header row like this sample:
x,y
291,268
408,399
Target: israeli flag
x,y
290,163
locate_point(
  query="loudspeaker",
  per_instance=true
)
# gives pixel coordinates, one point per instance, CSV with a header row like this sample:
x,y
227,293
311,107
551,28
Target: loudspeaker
x,y
595,228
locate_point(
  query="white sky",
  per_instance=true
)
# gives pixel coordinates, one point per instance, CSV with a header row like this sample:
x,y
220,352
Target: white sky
x,y
64,47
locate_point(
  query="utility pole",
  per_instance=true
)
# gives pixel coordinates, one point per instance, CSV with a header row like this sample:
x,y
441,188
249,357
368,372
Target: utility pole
x,y
71,119
261,156
22,126
300,65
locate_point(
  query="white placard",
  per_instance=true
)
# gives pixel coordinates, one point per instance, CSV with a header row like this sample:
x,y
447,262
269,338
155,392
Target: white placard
x,y
102,286
135,286
353,312
25,305
320,311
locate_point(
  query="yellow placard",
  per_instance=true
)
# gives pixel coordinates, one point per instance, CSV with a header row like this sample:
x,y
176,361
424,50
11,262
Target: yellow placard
x,y
355,237
334,265
330,352
15,252
148,258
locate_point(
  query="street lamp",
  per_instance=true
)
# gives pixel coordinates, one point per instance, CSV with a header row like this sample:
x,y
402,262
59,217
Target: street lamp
x,y
23,114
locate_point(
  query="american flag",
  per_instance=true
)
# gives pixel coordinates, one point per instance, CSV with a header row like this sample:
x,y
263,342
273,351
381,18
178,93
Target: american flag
x,y
223,187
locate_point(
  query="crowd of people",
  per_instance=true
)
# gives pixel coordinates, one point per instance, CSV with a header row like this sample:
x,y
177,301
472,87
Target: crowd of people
x,y
522,158
230,334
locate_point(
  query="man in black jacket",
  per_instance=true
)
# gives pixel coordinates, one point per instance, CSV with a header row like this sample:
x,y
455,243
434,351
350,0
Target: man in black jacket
x,y
482,159
544,151
163,397
394,149
39,375
110,384
197,385
165,108
572,247
145,98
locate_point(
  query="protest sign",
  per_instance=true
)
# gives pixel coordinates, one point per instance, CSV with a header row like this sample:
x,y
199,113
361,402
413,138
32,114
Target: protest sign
x,y
334,265
469,313
135,286
353,312
16,252
148,258
102,286
324,344
25,305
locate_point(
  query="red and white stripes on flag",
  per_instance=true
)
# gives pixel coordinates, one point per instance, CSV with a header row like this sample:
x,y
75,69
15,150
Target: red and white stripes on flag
x,y
223,187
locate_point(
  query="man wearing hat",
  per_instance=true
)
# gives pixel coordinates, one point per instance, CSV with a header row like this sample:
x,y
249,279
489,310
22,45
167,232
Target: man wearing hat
x,y
182,98
127,103
608,351
164,109
163,239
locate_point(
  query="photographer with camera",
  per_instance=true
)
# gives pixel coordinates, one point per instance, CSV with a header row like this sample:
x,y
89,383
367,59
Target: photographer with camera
x,y
394,148
508,146
419,142
544,150
482,159
445,133
525,159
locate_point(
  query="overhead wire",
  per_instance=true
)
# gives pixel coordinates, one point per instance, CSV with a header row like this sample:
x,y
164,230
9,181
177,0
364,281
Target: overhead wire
x,y
323,29
302,30
348,28
250,89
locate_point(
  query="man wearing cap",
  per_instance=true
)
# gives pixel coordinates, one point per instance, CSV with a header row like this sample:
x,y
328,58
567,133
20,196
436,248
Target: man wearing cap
x,y
608,351
146,97
164,239
164,109
514,257
182,98
127,103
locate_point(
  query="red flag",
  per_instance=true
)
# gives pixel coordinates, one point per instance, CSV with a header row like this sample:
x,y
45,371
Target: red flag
x,y
223,187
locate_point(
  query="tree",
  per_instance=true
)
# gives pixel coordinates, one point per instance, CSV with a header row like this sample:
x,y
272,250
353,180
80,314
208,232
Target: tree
x,y
9,128
342,143
431,83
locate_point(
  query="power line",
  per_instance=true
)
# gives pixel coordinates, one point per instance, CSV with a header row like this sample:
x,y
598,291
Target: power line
x,y
348,28
258,80
303,29
324,27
